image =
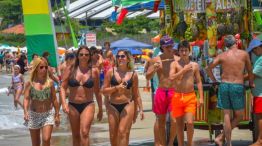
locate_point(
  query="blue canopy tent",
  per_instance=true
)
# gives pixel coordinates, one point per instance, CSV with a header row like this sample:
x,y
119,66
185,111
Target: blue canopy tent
x,y
131,50
129,43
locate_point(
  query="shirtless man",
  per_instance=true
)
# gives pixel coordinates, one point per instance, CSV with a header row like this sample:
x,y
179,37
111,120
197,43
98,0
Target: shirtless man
x,y
165,91
108,63
97,59
184,102
231,90
108,54
69,60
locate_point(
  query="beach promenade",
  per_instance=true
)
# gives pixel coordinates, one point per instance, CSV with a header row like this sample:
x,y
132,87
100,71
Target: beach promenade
x,y
13,133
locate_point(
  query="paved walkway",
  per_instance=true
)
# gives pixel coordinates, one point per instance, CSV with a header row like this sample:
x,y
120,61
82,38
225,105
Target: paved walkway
x,y
141,133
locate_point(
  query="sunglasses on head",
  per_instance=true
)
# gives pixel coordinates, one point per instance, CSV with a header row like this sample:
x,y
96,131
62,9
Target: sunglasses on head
x,y
121,56
82,54
43,67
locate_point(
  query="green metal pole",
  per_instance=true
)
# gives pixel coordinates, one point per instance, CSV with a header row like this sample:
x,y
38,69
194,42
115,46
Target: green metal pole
x,y
70,26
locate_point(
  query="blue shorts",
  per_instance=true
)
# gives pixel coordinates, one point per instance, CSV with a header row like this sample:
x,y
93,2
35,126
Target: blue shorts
x,y
231,96
102,76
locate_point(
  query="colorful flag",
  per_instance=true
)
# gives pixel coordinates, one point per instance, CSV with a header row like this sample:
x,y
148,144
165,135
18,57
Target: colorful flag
x,y
39,29
132,2
121,16
128,2
116,2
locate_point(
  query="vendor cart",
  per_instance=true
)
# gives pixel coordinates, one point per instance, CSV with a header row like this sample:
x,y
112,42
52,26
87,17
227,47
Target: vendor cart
x,y
209,117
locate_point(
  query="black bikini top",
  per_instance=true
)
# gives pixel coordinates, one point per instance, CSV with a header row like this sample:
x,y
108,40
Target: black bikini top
x,y
89,83
114,82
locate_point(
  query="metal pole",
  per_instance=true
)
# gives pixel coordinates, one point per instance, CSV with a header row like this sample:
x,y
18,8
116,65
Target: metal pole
x,y
86,18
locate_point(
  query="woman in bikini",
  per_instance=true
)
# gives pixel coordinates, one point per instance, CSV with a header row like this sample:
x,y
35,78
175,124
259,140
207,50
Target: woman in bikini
x,y
82,81
121,85
39,100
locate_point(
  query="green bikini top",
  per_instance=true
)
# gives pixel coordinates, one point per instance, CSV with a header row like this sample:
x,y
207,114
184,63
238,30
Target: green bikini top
x,y
40,95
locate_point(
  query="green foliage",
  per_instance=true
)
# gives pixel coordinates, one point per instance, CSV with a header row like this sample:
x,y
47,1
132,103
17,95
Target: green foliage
x,y
65,43
257,27
13,39
11,12
77,26
134,25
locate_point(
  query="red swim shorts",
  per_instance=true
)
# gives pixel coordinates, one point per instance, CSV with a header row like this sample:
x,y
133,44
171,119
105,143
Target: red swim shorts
x,y
162,100
257,105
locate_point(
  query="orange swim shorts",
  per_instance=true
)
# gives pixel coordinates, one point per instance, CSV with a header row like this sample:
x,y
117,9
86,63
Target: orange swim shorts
x,y
183,103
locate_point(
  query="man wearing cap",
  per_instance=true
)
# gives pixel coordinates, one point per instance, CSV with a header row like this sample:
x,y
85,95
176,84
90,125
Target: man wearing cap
x,y
255,46
231,90
164,93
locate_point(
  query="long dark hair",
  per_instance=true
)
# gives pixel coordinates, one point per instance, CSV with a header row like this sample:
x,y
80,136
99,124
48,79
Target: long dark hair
x,y
77,60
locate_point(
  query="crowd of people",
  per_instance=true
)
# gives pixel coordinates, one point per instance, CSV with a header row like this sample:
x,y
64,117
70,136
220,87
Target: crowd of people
x,y
90,72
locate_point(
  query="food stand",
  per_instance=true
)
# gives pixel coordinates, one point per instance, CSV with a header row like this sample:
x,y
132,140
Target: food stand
x,y
205,23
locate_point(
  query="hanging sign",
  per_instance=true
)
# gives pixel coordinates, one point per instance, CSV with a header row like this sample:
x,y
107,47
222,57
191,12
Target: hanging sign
x,y
195,5
201,5
90,39
228,4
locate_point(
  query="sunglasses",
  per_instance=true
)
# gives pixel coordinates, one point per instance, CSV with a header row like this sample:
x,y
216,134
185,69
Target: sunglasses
x,y
43,67
120,56
82,54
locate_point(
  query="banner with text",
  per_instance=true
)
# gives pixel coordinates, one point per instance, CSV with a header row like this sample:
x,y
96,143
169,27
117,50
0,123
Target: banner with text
x,y
90,39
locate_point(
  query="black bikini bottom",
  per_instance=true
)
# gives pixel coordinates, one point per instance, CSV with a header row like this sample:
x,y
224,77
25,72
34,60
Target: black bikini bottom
x,y
120,107
80,107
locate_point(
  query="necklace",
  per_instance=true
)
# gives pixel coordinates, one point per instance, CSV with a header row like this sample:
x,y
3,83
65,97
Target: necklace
x,y
121,74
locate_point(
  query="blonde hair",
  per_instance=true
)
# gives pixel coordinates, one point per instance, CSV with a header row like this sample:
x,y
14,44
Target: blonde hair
x,y
35,64
130,64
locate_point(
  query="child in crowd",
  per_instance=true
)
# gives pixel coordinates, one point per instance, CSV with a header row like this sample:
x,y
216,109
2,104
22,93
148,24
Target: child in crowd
x,y
17,85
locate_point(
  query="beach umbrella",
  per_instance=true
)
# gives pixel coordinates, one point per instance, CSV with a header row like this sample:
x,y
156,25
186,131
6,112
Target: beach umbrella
x,y
145,57
61,50
156,39
13,49
4,46
23,49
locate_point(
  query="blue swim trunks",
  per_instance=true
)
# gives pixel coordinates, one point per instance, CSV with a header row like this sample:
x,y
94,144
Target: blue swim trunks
x,y
102,77
231,96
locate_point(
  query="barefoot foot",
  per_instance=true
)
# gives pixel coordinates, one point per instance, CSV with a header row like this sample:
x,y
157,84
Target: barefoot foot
x,y
219,140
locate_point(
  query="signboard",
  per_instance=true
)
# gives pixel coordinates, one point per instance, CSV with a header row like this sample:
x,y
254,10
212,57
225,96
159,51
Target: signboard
x,y
228,4
195,5
200,6
90,39
257,4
